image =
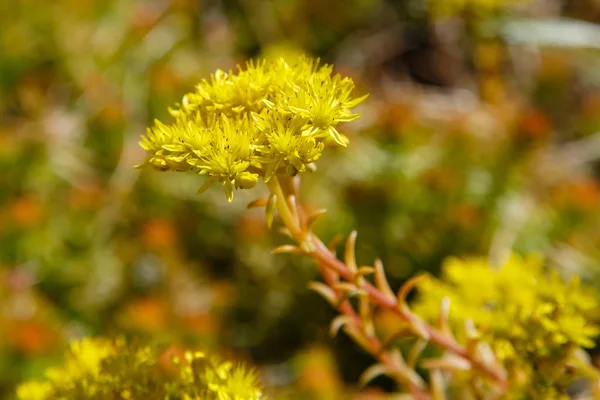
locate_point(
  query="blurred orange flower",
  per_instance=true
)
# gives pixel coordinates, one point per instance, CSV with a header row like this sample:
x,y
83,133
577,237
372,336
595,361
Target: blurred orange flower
x,y
31,337
159,233
148,314
26,211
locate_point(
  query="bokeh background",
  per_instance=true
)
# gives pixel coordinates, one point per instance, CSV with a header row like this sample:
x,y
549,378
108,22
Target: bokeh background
x,y
481,135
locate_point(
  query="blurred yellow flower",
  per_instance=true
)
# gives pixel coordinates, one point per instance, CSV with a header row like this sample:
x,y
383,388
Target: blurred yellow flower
x,y
34,390
272,117
98,369
534,320
238,383
83,359
451,7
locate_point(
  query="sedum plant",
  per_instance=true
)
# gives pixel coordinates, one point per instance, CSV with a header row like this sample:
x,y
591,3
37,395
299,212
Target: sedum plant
x,y
478,7
535,323
271,122
101,369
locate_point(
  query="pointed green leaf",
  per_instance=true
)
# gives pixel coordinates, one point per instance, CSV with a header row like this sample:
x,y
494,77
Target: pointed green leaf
x,y
270,209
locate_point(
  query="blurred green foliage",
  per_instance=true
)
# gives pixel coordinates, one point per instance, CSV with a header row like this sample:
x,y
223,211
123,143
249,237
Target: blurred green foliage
x,y
470,144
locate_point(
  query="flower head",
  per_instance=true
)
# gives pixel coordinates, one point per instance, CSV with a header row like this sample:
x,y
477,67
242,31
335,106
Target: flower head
x,y
98,369
271,117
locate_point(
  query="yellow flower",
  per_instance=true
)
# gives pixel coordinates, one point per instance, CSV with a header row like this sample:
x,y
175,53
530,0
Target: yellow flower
x,y
272,117
287,143
34,390
325,103
81,366
534,321
171,145
239,384
98,369
83,359
229,93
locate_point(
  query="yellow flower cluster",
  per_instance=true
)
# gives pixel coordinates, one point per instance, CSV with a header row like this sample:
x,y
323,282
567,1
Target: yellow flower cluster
x,y
271,117
535,322
81,365
99,369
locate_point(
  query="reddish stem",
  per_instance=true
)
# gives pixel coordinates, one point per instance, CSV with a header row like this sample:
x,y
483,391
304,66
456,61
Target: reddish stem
x,y
375,346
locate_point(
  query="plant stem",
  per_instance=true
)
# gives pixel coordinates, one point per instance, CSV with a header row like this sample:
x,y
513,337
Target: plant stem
x,y
325,256
373,345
